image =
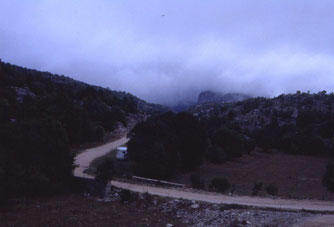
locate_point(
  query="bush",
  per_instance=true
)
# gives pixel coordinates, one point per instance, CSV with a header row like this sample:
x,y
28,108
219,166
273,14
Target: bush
x,y
272,189
257,187
230,141
125,196
328,178
152,162
105,171
40,163
216,154
219,184
224,207
166,143
196,181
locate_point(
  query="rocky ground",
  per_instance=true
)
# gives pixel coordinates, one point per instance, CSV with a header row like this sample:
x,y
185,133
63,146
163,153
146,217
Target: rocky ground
x,y
192,213
124,208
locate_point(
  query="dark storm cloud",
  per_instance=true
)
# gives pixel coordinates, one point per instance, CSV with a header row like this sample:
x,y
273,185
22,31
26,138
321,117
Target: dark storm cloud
x,y
168,51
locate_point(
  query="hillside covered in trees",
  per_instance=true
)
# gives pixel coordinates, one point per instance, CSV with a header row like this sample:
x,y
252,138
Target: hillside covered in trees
x,y
300,123
42,115
295,124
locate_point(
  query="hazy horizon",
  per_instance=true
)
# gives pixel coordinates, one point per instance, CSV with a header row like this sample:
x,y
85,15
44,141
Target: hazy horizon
x,y
168,51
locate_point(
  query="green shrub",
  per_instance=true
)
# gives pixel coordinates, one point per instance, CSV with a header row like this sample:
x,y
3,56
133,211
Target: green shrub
x,y
216,154
105,171
125,196
256,188
219,184
196,181
272,189
224,207
230,141
328,178
40,163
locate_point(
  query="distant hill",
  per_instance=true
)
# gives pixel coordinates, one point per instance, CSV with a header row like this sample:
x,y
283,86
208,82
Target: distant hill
x,y
300,123
25,79
182,106
258,112
85,111
217,97
209,97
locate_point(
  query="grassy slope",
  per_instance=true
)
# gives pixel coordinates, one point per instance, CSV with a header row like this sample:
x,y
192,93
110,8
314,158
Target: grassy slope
x,y
296,176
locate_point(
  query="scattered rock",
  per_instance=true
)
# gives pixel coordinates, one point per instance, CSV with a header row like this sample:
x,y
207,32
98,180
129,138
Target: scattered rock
x,y
195,206
205,214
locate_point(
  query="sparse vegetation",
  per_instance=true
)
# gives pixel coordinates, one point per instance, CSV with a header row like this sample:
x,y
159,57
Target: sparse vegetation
x,y
272,189
219,184
328,178
105,171
196,181
257,188
126,196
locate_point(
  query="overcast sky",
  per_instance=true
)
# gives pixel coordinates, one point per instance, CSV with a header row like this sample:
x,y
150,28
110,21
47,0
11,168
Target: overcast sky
x,y
167,51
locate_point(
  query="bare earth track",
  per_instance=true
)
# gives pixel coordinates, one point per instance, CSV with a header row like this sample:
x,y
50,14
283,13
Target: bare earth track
x,y
284,204
84,158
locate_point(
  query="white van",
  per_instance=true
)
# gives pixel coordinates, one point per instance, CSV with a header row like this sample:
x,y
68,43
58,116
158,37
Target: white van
x,y
121,153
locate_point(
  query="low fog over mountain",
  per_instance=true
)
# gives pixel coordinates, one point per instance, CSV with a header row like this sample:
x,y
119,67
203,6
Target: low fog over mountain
x,y
169,51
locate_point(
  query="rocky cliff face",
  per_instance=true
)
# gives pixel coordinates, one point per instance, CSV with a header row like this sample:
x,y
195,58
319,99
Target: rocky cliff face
x,y
210,96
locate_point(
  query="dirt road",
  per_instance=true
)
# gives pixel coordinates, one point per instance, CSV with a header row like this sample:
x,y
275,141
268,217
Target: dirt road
x,y
285,204
84,158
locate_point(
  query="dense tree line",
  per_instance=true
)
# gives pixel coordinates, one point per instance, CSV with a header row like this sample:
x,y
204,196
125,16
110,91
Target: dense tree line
x,y
41,116
311,135
169,143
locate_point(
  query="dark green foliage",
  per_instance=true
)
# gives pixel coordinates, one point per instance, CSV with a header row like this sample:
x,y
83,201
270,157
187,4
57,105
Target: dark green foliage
x,y
166,143
105,171
306,118
257,188
301,123
230,141
231,115
152,161
328,178
39,160
41,115
219,184
272,189
216,154
190,141
99,132
126,196
223,207
196,181
84,111
250,104
306,139
225,141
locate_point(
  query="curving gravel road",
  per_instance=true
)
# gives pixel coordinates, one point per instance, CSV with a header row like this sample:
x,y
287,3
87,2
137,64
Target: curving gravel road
x,y
285,204
83,159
